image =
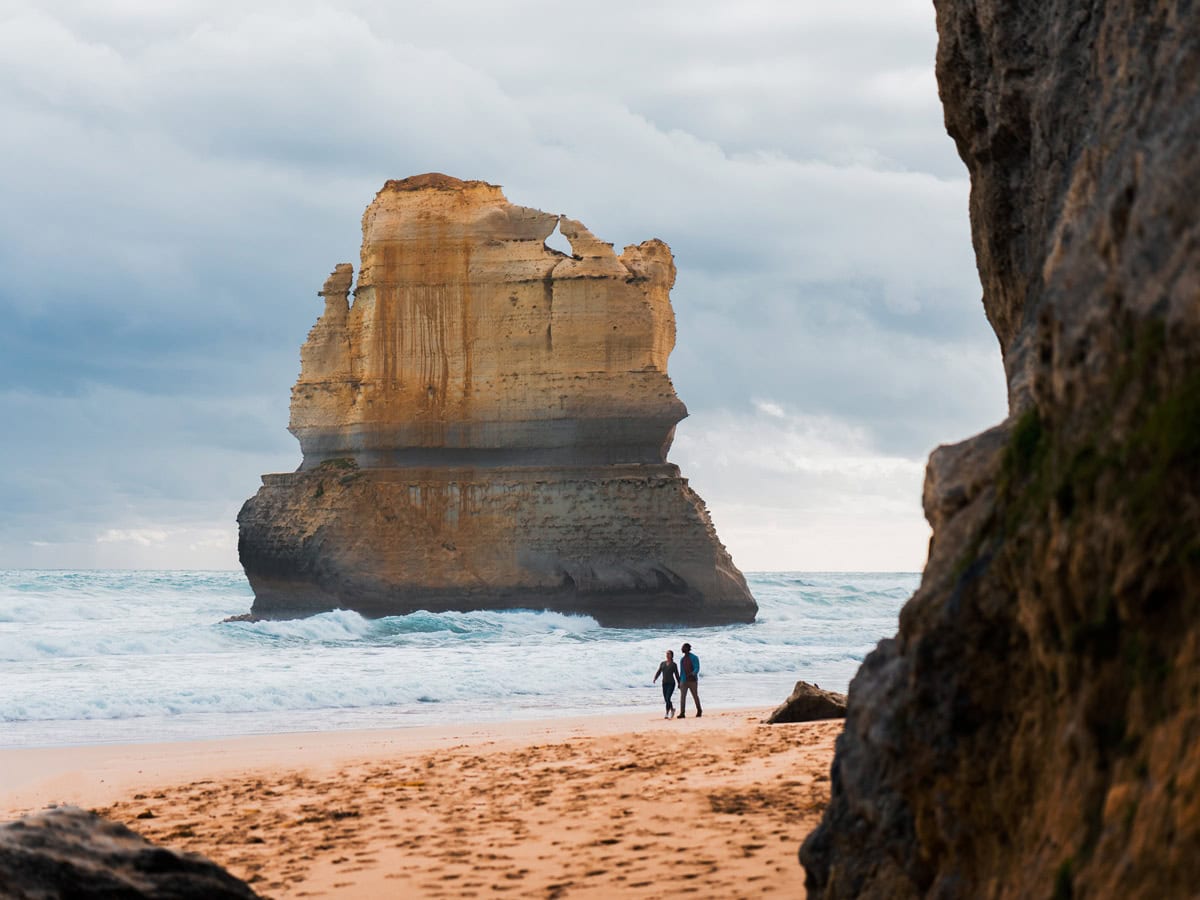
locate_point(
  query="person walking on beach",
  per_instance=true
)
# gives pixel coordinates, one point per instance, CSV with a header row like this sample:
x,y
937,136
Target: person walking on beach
x,y
689,674
670,674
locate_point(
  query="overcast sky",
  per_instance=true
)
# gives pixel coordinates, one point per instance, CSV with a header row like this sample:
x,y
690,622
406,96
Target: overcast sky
x,y
177,180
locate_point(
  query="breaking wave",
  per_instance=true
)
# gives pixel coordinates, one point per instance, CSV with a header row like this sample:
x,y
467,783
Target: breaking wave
x,y
95,656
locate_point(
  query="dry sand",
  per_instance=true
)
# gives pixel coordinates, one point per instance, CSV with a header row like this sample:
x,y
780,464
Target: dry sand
x,y
624,806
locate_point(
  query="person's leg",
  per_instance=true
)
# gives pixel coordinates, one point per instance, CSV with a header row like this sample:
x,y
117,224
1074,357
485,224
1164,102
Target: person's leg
x,y
691,686
666,699
683,689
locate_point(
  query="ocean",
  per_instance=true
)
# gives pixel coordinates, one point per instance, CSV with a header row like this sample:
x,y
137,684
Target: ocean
x,y
115,656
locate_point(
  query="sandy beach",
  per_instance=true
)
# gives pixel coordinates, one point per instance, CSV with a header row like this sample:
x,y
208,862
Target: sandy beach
x,y
629,805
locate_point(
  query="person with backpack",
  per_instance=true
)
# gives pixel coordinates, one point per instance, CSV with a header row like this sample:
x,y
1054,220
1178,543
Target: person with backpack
x,y
670,674
689,674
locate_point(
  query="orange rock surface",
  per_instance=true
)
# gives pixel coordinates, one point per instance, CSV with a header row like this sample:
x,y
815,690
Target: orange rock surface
x,y
486,426
469,335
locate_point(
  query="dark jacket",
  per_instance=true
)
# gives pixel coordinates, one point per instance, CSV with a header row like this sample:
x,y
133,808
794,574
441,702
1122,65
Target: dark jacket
x,y
689,663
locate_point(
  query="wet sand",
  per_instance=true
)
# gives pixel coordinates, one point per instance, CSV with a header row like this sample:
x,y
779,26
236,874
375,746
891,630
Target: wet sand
x,y
628,806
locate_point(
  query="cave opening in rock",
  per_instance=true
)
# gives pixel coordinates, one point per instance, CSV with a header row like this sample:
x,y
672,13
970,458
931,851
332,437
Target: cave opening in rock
x,y
558,241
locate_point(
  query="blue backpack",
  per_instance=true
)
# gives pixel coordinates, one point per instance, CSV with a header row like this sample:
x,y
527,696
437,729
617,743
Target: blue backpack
x,y
689,667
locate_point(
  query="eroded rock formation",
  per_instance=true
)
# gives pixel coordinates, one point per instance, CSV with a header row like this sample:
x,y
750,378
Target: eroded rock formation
x,y
808,703
1032,729
67,852
486,426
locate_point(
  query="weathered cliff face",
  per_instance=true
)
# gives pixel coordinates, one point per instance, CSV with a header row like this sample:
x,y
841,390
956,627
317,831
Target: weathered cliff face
x,y
486,426
469,340
1032,729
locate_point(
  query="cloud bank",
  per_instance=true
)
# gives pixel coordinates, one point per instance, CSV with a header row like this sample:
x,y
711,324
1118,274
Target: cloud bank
x,y
179,179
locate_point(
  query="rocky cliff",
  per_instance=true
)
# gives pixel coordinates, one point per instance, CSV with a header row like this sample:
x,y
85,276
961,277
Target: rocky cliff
x,y
1032,729
486,426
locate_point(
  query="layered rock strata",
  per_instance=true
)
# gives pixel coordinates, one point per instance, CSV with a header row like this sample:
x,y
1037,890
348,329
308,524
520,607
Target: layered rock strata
x,y
486,427
1032,729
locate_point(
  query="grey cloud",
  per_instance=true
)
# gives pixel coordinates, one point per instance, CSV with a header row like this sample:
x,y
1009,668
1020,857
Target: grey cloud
x,y
179,179
895,385
75,463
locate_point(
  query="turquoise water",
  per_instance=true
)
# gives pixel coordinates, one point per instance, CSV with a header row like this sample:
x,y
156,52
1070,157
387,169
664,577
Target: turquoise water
x,y
95,656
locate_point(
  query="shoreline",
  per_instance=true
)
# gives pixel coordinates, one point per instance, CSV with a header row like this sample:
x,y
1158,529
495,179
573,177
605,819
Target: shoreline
x,y
585,806
32,775
384,719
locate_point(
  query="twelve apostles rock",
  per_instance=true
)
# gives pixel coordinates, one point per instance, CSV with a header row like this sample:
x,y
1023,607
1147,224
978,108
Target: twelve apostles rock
x,y
1032,729
486,426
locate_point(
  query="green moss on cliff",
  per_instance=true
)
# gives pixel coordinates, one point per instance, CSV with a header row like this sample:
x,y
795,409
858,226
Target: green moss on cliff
x,y
341,462
1025,453
1021,486
1163,444
1027,446
1167,437
1095,507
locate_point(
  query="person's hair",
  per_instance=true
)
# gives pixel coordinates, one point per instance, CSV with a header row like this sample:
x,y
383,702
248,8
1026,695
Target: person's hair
x,y
670,653
686,648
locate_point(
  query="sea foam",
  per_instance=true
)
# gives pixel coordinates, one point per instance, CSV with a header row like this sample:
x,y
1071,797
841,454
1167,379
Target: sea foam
x,y
99,656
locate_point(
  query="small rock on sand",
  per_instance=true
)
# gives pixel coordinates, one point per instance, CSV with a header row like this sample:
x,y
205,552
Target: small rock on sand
x,y
809,703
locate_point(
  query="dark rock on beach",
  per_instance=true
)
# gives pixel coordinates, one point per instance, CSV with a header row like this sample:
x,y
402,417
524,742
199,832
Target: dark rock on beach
x,y
1031,731
72,854
808,703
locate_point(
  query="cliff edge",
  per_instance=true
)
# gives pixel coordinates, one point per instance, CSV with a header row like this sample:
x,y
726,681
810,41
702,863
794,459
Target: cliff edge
x,y
486,426
1031,730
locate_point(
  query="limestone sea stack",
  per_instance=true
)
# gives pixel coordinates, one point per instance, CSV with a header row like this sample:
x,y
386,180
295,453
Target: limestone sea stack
x,y
486,427
1034,728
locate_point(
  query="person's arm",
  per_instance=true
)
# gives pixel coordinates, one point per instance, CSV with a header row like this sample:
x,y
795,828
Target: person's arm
x,y
656,674
696,667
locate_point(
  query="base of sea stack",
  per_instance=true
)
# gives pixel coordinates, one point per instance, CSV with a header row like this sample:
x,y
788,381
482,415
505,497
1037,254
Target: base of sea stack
x,y
630,546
